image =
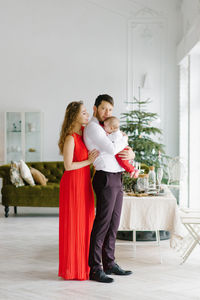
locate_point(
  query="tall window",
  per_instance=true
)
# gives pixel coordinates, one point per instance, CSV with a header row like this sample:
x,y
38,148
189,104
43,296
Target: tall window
x,y
184,131
190,129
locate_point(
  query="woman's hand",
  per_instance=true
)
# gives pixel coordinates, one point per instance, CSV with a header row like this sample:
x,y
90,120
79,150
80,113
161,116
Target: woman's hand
x,y
127,154
92,155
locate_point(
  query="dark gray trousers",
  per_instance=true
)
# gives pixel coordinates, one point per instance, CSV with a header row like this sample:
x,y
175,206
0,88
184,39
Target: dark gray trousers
x,y
109,195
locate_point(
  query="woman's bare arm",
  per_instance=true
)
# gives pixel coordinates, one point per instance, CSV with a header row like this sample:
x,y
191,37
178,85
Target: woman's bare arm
x,y
68,153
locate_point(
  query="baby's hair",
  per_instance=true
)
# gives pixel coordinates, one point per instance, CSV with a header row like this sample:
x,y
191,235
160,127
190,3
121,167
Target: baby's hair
x,y
112,121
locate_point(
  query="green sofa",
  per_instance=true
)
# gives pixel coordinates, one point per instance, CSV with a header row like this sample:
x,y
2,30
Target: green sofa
x,y
35,196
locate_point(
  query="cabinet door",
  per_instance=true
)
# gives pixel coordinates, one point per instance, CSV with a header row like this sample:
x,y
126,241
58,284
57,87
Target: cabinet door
x,y
32,136
13,136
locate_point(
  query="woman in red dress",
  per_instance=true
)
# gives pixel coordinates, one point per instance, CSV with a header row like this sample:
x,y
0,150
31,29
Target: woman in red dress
x,y
76,206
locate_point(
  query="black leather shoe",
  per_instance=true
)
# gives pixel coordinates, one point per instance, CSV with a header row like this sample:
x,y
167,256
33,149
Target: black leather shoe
x,y
100,276
117,271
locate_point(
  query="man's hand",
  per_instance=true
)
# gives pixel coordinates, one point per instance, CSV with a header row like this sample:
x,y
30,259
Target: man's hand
x,y
127,154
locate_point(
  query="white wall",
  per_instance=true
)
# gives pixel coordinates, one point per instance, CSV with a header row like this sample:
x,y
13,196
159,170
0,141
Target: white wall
x,y
56,51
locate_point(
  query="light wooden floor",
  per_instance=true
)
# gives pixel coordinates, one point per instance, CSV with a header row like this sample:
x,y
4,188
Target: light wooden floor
x,y
29,264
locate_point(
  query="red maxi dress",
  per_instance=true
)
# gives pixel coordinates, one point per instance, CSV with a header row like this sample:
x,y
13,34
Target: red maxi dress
x,y
76,216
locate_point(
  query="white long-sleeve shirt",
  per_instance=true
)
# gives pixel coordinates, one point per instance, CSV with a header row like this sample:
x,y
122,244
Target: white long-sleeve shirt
x,y
95,138
114,136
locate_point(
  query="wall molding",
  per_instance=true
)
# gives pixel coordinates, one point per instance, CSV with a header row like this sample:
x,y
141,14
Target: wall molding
x,y
147,12
148,24
145,24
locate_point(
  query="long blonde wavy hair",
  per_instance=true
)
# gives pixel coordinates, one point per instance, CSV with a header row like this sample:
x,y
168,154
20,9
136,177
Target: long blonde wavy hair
x,y
71,114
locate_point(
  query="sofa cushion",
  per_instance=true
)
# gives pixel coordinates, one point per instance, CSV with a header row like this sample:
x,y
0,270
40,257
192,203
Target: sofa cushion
x,y
38,176
26,173
52,170
15,175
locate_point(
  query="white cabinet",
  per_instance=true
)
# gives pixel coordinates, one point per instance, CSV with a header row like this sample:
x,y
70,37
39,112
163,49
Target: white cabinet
x,y
23,136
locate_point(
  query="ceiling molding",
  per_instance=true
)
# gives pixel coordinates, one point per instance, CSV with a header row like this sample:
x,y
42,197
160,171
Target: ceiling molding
x,y
128,8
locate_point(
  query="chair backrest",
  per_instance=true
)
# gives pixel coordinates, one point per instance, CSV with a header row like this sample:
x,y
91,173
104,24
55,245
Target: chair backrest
x,y
175,170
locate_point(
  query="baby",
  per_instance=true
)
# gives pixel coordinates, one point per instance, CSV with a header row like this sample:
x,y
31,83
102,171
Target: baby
x,y
111,126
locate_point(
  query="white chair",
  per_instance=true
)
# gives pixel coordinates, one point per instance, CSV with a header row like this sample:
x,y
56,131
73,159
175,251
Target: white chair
x,y
191,220
175,171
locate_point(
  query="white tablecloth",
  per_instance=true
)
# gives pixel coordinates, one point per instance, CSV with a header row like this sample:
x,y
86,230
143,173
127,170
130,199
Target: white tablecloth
x,y
151,213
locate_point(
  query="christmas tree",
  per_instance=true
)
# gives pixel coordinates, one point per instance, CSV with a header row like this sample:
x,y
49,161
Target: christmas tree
x,y
137,124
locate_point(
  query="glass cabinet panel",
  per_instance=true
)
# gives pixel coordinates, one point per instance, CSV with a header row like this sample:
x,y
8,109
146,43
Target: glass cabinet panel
x,y
14,136
23,136
32,136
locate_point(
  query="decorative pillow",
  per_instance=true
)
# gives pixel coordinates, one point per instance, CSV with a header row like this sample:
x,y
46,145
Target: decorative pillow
x,y
38,176
26,173
15,176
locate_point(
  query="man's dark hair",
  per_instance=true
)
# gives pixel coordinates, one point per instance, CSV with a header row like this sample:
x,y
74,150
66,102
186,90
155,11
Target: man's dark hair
x,y
104,97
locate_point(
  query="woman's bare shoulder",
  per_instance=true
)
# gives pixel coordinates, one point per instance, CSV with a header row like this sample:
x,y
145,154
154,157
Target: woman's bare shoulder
x,y
69,139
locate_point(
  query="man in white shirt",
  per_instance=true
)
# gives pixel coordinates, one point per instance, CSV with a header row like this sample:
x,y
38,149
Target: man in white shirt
x,y
107,184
